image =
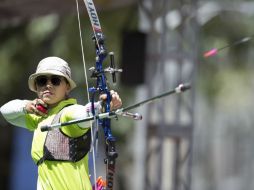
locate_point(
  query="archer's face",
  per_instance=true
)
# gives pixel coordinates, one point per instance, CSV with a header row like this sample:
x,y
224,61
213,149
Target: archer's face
x,y
52,89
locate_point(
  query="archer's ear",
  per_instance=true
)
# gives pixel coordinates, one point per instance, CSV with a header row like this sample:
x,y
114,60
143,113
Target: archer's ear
x,y
68,88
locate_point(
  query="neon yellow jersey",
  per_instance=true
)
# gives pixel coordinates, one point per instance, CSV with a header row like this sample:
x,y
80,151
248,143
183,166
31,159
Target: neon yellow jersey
x,y
58,175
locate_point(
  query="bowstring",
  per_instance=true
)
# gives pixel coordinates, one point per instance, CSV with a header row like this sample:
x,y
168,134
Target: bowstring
x,y
88,96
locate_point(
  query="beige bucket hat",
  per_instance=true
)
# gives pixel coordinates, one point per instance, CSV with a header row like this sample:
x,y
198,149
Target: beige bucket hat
x,y
51,66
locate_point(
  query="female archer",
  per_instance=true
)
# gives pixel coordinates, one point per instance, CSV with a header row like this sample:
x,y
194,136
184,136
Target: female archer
x,y
61,154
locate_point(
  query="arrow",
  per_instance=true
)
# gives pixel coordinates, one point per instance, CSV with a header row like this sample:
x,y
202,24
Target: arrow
x,y
214,51
122,111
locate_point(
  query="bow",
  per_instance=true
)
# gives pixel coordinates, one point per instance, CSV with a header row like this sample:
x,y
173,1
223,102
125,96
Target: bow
x,y
99,73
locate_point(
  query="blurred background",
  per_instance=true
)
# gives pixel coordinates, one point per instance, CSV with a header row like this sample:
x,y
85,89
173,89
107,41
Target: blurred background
x,y
200,140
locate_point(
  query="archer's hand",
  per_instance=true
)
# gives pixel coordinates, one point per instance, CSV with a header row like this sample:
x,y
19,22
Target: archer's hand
x,y
37,107
116,101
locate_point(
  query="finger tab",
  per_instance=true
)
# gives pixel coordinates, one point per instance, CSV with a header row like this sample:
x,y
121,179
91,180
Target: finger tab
x,y
41,108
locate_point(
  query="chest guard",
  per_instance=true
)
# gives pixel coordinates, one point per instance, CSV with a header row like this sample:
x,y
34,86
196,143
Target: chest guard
x,y
60,147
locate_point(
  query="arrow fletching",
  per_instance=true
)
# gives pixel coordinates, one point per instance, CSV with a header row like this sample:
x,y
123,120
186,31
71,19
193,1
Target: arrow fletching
x,y
210,53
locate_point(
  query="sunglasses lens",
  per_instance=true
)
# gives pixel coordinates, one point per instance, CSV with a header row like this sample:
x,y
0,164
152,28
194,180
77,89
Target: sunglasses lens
x,y
41,80
56,80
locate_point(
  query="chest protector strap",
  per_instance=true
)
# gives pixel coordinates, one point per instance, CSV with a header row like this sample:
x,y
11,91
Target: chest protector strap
x,y
60,147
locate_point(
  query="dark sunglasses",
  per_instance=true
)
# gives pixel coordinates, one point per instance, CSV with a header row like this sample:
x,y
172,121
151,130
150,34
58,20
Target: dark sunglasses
x,y
42,80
